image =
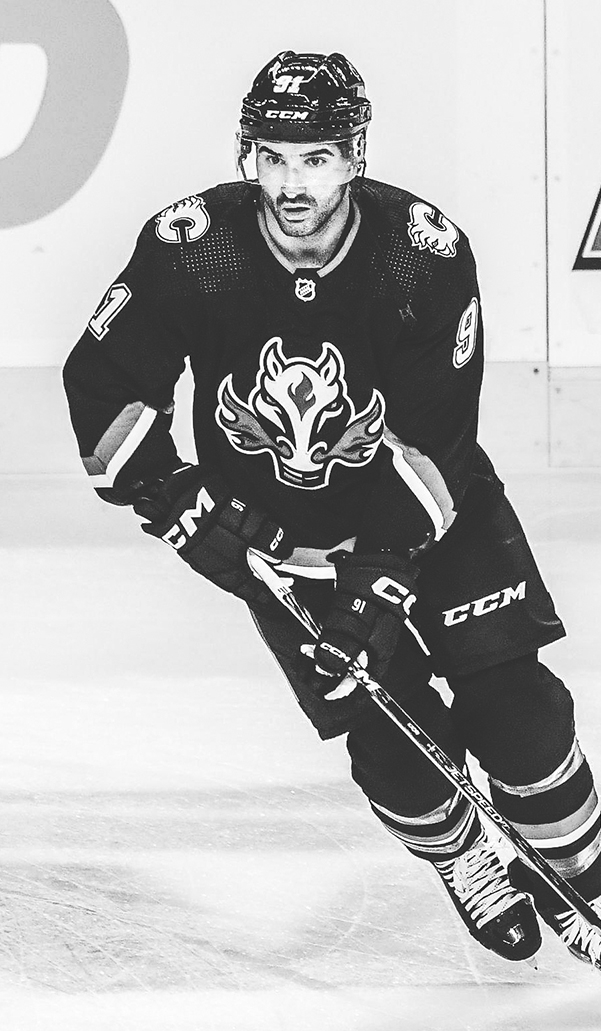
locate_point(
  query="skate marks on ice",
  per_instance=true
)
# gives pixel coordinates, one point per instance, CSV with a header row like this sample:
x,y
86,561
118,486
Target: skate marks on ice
x,y
273,907
248,889
159,871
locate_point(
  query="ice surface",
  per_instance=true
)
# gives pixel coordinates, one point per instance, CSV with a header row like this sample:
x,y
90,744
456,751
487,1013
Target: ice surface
x,y
178,850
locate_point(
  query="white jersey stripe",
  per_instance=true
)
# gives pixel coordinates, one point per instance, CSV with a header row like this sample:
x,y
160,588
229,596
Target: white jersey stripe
x,y
429,487
126,449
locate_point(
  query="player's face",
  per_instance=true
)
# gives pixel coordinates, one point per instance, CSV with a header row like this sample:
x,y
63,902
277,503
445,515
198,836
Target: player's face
x,y
303,183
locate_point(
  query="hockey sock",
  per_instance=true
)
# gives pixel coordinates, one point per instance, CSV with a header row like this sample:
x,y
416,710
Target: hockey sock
x,y
518,720
561,816
444,833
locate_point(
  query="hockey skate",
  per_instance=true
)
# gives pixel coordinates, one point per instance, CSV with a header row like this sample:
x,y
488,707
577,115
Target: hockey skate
x,y
498,916
583,941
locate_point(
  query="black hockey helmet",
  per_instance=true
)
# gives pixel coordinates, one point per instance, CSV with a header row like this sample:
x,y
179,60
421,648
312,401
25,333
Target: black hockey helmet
x,y
299,97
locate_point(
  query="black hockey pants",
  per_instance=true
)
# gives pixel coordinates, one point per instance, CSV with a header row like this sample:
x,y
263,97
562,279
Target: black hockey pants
x,y
516,719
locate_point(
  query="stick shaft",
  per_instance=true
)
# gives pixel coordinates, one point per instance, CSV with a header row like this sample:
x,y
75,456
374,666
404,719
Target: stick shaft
x,y
282,590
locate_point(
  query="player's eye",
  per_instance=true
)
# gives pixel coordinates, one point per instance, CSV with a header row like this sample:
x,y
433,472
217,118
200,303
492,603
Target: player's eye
x,y
316,161
271,159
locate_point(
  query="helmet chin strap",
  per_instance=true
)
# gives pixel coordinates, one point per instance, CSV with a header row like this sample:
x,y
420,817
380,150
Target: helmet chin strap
x,y
361,139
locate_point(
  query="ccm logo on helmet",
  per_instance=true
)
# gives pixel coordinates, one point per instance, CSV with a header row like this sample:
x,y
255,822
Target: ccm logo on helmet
x,y
297,116
482,606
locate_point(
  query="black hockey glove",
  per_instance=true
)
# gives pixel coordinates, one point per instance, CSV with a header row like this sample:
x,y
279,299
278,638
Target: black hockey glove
x,y
373,596
211,529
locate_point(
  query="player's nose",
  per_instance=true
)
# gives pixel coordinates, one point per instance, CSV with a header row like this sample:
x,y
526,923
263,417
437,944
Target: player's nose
x,y
293,180
292,192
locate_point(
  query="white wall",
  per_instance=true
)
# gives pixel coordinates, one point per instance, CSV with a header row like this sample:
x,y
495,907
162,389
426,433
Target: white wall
x,y
574,34
457,96
113,110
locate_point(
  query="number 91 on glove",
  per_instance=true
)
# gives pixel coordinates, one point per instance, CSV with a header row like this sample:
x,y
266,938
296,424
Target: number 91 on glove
x,y
211,530
372,599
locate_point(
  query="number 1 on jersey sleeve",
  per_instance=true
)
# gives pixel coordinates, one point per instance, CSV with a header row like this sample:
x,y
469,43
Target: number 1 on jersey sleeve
x,y
115,299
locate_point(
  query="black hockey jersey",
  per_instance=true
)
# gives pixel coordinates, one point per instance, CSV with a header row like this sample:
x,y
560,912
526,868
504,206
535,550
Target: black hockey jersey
x,y
343,401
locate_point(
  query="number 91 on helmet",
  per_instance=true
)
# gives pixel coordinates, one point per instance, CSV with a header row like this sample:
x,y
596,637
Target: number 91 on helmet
x,y
303,123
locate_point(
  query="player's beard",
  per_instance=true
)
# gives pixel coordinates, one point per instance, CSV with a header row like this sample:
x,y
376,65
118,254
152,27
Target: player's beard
x,y
314,212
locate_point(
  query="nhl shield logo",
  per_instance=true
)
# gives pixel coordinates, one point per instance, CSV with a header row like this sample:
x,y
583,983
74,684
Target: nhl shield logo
x,y
305,289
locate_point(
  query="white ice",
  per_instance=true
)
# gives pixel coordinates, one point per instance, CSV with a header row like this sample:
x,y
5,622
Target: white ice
x,y
180,852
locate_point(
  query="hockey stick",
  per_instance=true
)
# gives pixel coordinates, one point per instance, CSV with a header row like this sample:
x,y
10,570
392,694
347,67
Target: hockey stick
x,y
282,589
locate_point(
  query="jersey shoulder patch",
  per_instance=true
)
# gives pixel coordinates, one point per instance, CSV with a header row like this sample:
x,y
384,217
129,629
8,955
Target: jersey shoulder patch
x,y
195,246
183,222
424,253
429,228
419,224
189,219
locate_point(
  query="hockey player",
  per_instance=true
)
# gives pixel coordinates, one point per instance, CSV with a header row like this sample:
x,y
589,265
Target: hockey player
x,y
334,329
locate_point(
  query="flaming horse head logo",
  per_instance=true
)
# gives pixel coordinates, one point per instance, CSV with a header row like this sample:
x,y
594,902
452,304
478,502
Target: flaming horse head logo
x,y
301,414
